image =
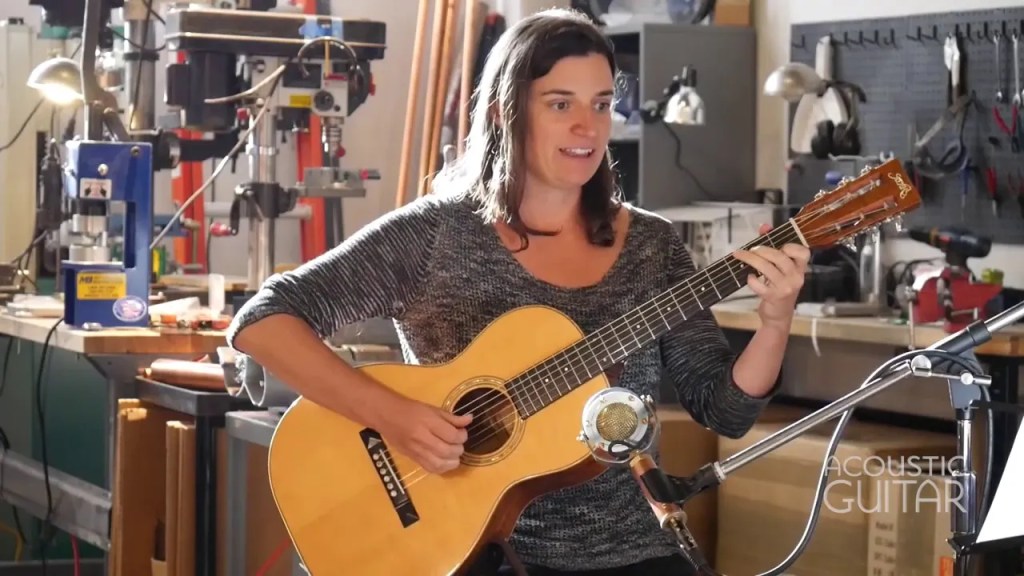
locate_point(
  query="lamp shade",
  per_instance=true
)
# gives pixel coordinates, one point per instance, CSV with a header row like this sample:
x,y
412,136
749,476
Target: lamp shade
x,y
58,80
792,81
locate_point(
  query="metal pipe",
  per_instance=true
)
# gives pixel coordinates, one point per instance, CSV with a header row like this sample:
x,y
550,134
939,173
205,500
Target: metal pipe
x,y
91,90
200,375
140,79
262,169
79,508
223,210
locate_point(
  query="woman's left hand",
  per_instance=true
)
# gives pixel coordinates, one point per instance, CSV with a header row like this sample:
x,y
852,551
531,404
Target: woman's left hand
x,y
781,278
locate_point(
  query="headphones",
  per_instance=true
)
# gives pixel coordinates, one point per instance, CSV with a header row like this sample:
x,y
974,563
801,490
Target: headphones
x,y
842,139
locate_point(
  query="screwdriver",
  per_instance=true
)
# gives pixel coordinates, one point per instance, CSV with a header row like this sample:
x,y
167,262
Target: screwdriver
x,y
965,179
1017,190
993,189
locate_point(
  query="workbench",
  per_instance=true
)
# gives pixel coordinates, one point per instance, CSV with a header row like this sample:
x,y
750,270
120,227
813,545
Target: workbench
x,y
1002,358
741,314
83,509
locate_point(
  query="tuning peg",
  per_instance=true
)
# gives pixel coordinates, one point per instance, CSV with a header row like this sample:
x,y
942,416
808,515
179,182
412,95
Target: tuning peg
x,y
897,223
849,243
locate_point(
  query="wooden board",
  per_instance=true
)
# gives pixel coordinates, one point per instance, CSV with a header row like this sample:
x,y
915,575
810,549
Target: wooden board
x,y
113,341
741,314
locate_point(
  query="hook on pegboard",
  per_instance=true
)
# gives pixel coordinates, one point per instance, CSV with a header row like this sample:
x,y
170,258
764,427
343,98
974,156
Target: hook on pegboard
x,y
923,38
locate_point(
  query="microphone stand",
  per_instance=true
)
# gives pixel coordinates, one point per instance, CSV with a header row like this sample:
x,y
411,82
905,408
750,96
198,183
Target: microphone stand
x,y
668,489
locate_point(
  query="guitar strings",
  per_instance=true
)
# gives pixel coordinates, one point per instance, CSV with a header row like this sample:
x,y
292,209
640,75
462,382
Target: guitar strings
x,y
792,233
533,383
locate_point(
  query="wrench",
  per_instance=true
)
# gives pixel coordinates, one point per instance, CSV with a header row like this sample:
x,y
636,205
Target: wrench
x,y
1016,71
1000,95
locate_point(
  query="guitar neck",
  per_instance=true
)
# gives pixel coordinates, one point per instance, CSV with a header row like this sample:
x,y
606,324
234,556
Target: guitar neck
x,y
565,371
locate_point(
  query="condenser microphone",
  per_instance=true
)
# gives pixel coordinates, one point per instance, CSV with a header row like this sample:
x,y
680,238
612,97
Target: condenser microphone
x,y
617,423
620,428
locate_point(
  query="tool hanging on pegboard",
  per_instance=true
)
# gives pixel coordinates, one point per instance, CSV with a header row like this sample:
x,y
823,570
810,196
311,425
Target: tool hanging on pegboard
x,y
923,87
955,88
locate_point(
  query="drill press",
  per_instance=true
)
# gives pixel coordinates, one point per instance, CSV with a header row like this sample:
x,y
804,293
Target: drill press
x,y
287,68
952,294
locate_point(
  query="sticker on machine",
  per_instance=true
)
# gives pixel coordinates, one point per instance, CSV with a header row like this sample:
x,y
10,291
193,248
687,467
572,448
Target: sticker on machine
x,y
101,285
98,188
130,309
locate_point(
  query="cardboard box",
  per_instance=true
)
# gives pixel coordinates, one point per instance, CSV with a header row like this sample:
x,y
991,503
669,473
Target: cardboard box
x,y
732,13
763,507
911,522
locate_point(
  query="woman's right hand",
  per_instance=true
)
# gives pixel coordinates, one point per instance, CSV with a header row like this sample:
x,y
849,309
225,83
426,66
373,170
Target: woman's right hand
x,y
431,436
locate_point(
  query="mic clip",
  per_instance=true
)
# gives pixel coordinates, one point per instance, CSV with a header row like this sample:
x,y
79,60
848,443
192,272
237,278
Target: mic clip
x,y
668,489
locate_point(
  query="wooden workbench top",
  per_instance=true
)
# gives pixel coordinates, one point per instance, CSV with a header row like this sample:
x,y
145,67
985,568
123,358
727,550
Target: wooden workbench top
x,y
113,341
741,314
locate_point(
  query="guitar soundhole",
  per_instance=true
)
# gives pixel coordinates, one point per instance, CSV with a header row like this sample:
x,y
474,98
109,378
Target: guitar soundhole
x,y
494,420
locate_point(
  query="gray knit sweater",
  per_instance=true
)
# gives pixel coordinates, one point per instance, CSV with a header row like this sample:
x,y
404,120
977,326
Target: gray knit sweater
x,y
442,274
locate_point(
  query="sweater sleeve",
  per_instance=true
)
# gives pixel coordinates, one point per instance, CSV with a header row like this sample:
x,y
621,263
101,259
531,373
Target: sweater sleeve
x,y
699,361
375,273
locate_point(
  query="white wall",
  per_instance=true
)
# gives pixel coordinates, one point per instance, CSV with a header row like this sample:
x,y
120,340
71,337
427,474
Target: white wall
x,y
773,19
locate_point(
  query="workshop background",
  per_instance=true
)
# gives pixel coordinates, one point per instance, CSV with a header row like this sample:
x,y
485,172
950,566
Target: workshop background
x,y
749,524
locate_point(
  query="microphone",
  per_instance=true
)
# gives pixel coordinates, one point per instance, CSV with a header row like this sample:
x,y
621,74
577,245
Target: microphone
x,y
620,428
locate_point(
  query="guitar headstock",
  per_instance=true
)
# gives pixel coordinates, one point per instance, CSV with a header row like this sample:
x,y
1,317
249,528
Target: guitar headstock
x,y
879,194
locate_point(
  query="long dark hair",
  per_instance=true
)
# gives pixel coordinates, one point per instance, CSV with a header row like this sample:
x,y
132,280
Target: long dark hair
x,y
492,169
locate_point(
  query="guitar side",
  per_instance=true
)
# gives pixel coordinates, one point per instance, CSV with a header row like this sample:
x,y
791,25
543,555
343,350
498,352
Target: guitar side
x,y
335,484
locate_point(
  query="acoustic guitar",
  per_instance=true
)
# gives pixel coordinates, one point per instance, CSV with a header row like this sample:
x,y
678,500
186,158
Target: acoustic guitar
x,y
352,505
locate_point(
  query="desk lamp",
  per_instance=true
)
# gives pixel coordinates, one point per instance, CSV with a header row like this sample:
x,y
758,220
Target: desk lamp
x,y
58,80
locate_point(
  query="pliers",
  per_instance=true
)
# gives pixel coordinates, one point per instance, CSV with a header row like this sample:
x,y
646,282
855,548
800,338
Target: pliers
x,y
1013,131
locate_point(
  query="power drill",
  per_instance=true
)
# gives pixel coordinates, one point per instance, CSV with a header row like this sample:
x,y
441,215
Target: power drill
x,y
957,244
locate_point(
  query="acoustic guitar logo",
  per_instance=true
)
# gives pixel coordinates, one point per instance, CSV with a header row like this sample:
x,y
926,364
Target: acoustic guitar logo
x,y
902,184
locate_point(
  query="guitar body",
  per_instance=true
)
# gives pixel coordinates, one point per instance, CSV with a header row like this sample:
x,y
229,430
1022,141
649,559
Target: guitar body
x,y
330,479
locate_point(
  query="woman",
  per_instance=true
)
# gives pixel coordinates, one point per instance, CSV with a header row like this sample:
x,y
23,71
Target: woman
x,y
529,215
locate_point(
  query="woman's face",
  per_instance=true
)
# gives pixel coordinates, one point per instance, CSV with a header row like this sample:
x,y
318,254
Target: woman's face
x,y
569,122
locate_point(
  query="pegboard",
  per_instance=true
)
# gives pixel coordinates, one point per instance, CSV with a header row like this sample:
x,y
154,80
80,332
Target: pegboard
x,y
900,64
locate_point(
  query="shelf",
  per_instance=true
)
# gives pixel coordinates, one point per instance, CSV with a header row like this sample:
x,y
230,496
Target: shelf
x,y
626,132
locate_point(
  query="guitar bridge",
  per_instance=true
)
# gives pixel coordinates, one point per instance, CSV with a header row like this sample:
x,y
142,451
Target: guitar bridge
x,y
389,476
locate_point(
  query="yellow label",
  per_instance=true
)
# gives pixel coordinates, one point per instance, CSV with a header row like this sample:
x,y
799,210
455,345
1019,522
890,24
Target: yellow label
x,y
300,101
101,286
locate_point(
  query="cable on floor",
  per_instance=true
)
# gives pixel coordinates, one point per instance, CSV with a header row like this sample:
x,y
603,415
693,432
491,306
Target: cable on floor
x,y
274,557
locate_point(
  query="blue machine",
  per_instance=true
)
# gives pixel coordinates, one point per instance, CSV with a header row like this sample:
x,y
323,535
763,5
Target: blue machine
x,y
111,294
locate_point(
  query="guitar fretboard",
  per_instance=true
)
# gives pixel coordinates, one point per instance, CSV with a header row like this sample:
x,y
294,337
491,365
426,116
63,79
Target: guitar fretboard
x,y
570,368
